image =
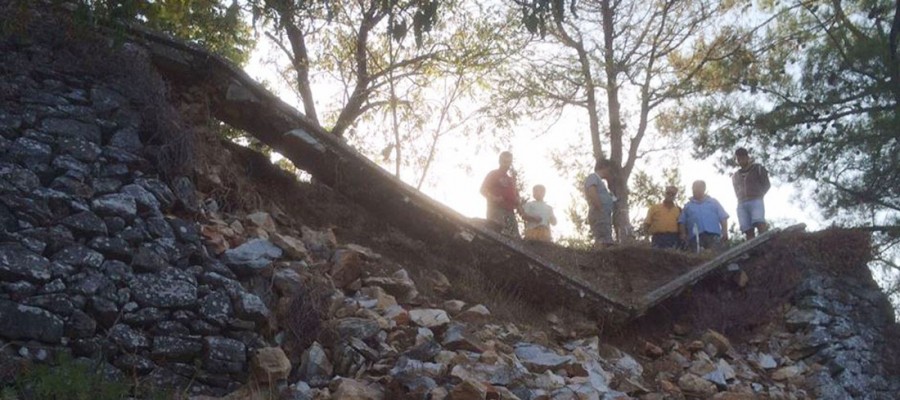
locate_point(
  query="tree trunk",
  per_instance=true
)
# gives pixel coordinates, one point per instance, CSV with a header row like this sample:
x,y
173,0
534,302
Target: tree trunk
x,y
300,62
619,181
360,94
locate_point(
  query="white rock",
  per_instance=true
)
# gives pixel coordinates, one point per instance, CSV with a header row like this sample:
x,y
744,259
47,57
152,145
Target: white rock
x,y
429,317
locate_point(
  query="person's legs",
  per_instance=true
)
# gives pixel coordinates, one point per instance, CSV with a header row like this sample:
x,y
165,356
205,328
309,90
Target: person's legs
x,y
665,240
496,218
745,219
601,228
757,211
710,241
539,233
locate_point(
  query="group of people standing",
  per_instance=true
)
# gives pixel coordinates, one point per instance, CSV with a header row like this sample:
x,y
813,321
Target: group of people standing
x,y
700,223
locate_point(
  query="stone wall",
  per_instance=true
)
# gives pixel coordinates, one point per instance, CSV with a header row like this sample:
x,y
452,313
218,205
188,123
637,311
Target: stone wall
x,y
100,256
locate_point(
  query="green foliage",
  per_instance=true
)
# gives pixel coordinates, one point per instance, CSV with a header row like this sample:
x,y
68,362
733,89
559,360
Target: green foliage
x,y
68,380
819,103
209,23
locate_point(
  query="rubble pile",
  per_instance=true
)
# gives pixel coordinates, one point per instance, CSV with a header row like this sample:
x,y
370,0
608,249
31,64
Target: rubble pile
x,y
106,259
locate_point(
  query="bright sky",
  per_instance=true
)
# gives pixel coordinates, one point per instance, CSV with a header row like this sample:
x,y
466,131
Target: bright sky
x,y
458,171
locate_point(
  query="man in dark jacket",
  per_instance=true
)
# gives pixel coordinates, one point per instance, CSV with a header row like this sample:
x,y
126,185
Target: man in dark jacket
x,y
751,183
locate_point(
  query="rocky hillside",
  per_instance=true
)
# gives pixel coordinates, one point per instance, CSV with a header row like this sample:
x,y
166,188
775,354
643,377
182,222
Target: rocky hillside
x,y
133,239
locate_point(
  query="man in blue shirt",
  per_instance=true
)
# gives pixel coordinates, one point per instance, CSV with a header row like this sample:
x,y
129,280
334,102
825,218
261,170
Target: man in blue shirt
x,y
703,219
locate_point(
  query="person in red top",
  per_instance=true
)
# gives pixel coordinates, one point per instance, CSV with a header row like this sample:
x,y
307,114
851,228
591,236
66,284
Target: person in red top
x,y
499,188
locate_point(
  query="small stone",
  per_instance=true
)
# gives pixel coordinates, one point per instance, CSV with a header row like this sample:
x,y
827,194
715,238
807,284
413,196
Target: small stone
x,y
86,223
456,338
653,350
696,385
798,318
270,365
168,289
287,281
766,361
315,368
681,329
721,343
70,128
80,149
250,307
429,317
438,281
263,221
115,205
469,389
216,308
787,373
356,327
351,389
134,365
185,231
112,247
79,256
165,198
171,348
346,267
475,314
185,194
292,246
127,138
454,307
319,243
127,338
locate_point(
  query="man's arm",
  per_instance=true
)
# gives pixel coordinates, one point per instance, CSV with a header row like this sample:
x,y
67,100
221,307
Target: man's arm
x,y
724,224
552,217
764,179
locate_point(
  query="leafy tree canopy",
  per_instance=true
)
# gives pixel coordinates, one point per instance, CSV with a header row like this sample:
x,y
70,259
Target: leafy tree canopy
x,y
210,23
816,98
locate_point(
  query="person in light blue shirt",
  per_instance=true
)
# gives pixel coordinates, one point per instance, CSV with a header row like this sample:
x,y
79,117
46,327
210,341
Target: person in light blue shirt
x,y
600,204
703,219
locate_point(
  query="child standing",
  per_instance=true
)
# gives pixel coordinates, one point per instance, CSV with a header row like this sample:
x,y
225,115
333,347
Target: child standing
x,y
539,216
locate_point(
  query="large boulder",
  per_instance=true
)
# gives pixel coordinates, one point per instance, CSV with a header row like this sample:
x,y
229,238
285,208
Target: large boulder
x,y
173,348
169,289
224,355
252,257
20,322
250,307
18,263
315,368
538,358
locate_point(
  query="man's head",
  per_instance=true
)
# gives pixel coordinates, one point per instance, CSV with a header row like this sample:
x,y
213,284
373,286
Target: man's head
x,y
699,189
742,156
538,191
603,168
670,193
505,161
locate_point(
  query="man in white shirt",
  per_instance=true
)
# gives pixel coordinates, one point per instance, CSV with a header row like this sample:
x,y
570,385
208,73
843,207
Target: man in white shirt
x,y
539,216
